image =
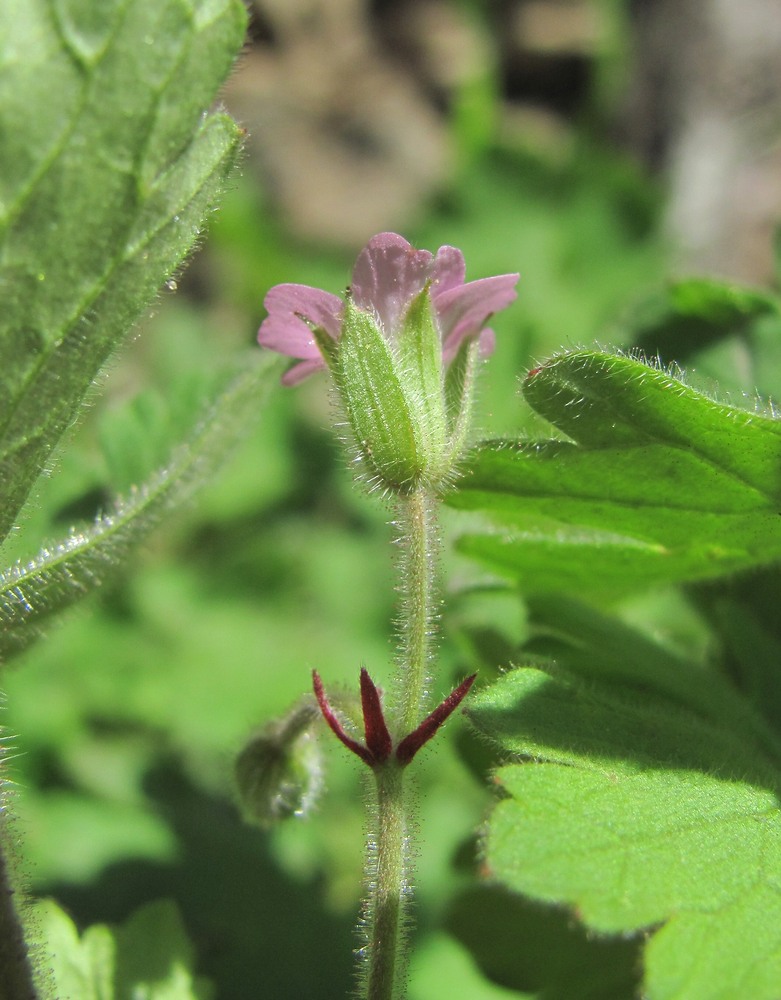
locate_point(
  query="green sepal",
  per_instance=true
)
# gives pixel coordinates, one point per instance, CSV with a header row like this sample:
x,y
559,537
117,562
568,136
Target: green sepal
x,y
456,376
383,419
327,346
460,394
420,353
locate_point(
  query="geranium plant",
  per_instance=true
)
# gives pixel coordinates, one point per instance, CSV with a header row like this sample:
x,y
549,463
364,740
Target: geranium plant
x,y
633,844
402,351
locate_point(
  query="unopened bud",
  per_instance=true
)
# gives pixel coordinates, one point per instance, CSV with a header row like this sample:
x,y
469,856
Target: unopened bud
x,y
279,771
392,395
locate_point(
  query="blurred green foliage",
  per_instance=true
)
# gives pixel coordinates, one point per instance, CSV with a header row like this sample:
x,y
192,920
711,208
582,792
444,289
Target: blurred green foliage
x,y
149,957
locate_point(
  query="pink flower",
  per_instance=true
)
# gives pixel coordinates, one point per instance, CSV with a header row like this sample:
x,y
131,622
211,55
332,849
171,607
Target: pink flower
x,y
388,275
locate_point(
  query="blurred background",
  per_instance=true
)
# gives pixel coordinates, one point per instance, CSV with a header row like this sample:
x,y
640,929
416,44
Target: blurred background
x,y
596,146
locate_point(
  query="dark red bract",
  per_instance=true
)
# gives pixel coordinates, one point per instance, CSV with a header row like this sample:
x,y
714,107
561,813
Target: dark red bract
x,y
378,748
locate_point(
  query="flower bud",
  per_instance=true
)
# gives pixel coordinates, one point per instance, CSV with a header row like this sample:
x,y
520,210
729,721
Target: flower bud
x,y
279,771
392,396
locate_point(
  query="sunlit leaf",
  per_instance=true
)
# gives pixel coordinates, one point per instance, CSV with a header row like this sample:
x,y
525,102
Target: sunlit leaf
x,y
657,484
639,814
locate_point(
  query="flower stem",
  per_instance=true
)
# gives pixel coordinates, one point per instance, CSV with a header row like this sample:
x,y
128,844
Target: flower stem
x,y
387,871
419,541
16,976
388,888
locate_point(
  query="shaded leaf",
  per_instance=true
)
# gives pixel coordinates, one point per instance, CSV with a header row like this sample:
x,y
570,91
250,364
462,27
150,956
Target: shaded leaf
x,y
147,958
561,718
729,333
542,950
598,647
691,311
743,616
441,969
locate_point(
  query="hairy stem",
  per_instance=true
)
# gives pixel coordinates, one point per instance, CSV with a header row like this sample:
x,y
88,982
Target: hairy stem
x,y
387,870
419,542
388,888
16,976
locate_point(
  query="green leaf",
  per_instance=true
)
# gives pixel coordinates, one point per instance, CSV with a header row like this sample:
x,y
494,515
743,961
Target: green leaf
x,y
76,967
743,616
108,166
693,309
603,648
32,594
93,834
441,969
147,958
658,484
596,726
639,813
723,331
155,958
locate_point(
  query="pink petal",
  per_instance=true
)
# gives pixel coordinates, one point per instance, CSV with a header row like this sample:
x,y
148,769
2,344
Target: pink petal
x,y
487,342
448,270
388,274
302,370
289,307
288,335
463,311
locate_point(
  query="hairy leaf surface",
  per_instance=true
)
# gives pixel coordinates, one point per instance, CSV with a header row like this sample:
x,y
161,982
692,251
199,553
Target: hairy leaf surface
x,y
656,484
643,816
108,166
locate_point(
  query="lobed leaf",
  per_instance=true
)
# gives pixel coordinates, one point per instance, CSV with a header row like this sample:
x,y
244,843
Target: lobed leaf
x,y
639,813
108,166
658,483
